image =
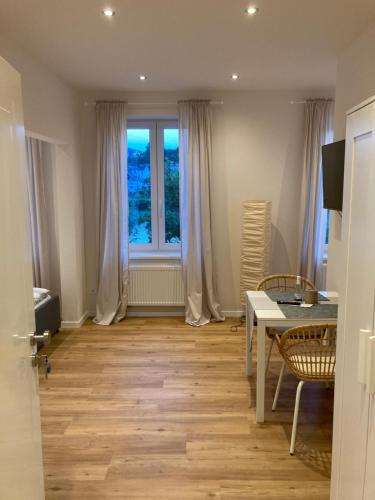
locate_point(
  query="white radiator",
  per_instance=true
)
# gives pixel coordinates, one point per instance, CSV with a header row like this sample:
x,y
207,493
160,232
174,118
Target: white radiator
x,y
156,285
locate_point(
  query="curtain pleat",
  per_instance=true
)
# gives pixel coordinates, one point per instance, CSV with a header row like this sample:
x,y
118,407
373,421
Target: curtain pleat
x,y
201,304
318,131
112,295
46,266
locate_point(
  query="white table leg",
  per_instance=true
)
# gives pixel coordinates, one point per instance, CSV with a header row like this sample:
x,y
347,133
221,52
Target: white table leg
x,y
261,367
249,335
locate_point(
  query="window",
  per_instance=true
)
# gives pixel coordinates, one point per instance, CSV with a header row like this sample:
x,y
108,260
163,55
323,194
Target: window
x,y
326,239
324,216
153,185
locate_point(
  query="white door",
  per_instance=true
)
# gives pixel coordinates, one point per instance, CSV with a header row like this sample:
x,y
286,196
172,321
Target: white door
x,y
369,490
21,470
370,462
356,309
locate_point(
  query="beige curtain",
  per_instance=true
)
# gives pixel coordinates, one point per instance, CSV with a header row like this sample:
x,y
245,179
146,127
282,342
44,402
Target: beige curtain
x,y
201,305
318,131
112,297
46,267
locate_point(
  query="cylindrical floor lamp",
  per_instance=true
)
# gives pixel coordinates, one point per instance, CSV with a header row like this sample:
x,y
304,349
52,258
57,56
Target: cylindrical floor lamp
x,y
256,244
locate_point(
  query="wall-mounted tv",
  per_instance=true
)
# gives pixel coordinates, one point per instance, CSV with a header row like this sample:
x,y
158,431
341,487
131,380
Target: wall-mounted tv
x,y
333,161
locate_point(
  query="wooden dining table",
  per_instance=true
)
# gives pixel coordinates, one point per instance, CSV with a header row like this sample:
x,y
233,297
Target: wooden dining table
x,y
262,307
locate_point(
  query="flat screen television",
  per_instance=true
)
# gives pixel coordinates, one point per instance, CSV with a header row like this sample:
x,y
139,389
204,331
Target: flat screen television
x,y
333,160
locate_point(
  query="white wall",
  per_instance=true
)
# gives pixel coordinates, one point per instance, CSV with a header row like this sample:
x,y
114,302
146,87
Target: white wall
x,y
257,153
355,83
258,141
51,109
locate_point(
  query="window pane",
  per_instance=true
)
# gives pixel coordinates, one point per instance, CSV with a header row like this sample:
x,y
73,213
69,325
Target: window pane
x,y
327,228
139,186
171,187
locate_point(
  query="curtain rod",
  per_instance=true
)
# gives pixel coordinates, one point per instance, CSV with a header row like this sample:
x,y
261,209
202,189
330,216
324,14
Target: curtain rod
x,y
305,101
174,103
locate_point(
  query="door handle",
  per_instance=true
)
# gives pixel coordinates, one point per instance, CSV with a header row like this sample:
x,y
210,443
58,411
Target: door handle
x,y
45,338
41,360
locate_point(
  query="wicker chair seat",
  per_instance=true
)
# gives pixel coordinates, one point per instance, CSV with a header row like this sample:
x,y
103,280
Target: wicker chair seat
x,y
314,370
310,351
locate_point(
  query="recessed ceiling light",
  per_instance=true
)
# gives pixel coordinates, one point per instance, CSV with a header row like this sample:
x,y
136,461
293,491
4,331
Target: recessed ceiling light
x,y
252,10
108,12
235,76
142,77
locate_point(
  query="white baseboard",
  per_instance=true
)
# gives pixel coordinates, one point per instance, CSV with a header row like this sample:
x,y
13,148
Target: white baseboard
x,y
75,324
134,312
143,312
168,312
233,314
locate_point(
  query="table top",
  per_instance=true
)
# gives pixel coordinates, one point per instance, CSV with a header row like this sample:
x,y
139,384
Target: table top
x,y
276,295
267,309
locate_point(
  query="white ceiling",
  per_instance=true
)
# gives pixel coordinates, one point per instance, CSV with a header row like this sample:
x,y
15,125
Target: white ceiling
x,y
188,44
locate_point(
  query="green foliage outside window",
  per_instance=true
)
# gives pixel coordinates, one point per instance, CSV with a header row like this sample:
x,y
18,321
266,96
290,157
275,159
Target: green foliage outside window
x,y
171,196
139,191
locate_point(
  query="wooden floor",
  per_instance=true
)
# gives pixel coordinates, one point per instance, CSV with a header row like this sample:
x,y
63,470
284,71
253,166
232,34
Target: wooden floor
x,y
154,409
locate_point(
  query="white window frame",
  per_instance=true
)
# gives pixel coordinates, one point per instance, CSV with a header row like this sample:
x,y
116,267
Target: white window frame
x,y
151,126
326,245
158,245
161,126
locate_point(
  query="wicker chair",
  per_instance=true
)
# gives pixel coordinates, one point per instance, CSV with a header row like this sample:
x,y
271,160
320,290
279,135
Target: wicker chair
x,y
284,283
310,354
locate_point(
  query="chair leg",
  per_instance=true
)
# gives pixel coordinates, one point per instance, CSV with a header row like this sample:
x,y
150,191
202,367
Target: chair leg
x,y
269,354
295,418
275,399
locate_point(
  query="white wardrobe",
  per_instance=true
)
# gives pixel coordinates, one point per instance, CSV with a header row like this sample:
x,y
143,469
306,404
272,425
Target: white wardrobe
x,y
353,466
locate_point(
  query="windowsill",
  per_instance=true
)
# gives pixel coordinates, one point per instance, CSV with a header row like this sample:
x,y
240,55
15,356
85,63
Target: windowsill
x,y
156,255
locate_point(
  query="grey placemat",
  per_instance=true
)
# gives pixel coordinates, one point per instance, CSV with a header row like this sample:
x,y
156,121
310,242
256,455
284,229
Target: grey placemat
x,y
276,295
318,311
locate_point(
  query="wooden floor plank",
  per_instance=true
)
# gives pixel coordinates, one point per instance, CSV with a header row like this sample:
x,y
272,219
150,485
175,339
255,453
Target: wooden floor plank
x,y
152,408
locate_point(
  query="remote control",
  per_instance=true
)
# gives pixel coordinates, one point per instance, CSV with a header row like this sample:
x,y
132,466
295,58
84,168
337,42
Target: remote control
x,y
289,302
